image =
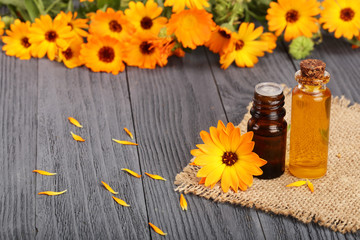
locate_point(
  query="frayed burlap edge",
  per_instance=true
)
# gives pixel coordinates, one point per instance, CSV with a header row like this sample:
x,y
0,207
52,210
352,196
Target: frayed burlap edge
x,y
336,201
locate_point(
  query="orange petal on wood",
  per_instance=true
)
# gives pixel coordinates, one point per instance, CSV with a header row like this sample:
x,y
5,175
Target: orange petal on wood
x,y
296,184
44,172
183,203
202,180
77,137
51,193
157,230
75,122
124,142
310,185
108,188
157,177
120,201
129,133
132,172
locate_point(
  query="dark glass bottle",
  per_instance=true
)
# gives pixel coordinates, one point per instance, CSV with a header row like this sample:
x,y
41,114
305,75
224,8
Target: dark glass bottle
x,y
269,127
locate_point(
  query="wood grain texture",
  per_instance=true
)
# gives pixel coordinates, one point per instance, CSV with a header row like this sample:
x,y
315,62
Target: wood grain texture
x,y
87,211
18,126
171,106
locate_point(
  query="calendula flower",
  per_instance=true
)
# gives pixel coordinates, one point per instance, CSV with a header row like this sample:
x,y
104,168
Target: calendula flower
x,y
146,18
341,16
246,48
17,40
191,27
77,25
103,54
179,5
295,16
49,36
270,39
227,156
146,51
2,25
71,55
111,23
220,40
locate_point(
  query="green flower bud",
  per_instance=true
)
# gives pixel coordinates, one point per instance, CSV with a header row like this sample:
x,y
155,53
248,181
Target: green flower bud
x,y
301,47
8,20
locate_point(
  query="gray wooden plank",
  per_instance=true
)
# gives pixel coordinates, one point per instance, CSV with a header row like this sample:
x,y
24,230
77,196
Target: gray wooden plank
x,y
171,105
87,211
18,126
236,87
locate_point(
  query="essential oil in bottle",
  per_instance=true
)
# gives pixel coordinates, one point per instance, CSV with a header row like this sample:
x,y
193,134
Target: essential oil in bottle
x,y
269,127
310,118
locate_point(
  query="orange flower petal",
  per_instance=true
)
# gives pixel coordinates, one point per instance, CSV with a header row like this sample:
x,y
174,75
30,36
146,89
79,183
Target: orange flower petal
x,y
124,142
296,184
77,137
131,172
75,122
310,185
129,133
121,202
157,230
44,172
183,203
202,180
157,177
108,188
51,193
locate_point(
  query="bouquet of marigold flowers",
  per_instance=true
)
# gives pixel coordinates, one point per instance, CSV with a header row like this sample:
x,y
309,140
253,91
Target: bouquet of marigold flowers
x,y
104,35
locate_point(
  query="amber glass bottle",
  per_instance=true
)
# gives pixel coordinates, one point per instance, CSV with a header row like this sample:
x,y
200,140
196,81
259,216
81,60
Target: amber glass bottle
x,y
310,118
269,127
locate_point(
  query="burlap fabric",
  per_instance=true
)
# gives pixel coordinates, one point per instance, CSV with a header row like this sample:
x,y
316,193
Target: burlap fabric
x,y
335,202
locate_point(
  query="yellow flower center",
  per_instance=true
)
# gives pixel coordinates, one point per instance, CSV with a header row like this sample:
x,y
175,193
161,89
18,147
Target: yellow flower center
x,y
292,16
106,54
51,36
68,54
25,42
146,23
146,48
347,14
115,26
224,34
229,158
239,45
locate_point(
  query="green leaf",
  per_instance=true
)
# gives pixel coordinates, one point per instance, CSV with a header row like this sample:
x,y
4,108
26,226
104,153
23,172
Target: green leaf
x,y
32,9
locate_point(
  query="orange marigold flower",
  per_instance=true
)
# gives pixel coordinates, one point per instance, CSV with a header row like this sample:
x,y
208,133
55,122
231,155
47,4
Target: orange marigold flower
x,y
341,16
245,48
2,25
146,18
103,54
295,16
17,40
48,36
77,25
145,50
220,40
270,39
227,156
191,27
179,5
71,55
111,23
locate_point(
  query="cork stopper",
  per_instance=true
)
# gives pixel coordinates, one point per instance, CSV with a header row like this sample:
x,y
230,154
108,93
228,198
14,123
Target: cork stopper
x,y
312,68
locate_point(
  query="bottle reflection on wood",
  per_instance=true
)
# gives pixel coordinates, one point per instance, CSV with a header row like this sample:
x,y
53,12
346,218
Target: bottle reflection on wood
x,y
269,128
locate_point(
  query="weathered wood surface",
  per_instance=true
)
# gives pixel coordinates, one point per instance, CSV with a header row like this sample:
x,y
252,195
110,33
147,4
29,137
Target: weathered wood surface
x,y
165,108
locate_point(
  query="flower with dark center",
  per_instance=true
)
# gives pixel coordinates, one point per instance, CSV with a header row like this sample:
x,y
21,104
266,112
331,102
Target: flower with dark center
x,y
146,48
25,42
51,36
239,45
347,14
115,26
229,158
106,54
146,23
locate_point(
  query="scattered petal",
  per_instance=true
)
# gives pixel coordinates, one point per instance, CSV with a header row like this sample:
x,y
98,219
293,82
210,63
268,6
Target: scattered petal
x,y
44,172
129,133
183,203
50,193
310,185
77,137
296,184
202,180
157,230
131,172
124,142
108,188
121,202
157,177
75,122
